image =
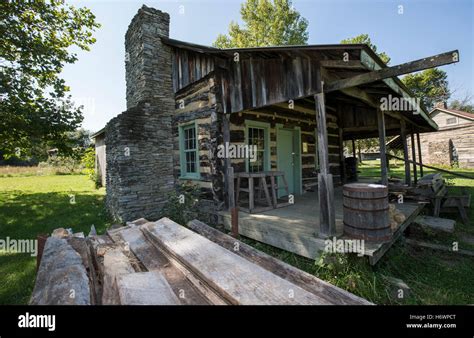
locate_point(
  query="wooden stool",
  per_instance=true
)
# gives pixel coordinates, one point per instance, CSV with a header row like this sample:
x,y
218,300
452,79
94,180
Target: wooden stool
x,y
274,187
262,187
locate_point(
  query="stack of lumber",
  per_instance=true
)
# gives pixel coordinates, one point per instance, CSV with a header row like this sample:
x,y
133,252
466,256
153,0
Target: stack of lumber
x,y
164,263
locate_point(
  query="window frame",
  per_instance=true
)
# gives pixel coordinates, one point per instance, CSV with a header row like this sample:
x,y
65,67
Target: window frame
x,y
266,149
182,152
452,119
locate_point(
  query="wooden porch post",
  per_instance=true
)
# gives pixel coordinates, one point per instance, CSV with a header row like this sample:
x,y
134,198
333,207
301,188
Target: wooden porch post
x,y
341,155
353,148
227,165
419,154
327,213
403,135
383,151
413,156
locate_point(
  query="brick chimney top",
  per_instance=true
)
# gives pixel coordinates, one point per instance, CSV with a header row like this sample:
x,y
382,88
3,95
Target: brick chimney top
x,y
441,105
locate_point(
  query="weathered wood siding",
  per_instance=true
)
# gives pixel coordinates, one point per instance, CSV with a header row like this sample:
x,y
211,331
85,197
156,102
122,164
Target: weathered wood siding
x,y
257,82
436,147
441,119
189,67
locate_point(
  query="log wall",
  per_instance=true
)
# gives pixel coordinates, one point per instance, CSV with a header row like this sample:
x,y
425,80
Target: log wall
x,y
436,147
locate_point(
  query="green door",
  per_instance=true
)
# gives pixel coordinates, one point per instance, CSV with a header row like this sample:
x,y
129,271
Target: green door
x,y
286,159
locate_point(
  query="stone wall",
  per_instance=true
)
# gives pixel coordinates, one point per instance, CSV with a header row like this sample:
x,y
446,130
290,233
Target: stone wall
x,y
139,143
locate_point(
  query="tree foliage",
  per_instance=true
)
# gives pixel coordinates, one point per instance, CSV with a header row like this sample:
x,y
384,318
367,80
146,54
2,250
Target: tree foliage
x,y
464,104
365,39
266,23
430,86
35,108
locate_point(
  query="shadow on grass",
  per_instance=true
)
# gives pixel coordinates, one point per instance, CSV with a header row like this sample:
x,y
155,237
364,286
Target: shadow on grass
x,y
27,215
17,271
24,216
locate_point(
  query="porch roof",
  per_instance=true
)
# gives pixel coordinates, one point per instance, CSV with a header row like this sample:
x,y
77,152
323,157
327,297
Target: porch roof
x,y
265,76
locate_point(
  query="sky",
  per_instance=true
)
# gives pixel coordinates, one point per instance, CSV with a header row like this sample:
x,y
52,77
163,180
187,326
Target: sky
x,y
425,28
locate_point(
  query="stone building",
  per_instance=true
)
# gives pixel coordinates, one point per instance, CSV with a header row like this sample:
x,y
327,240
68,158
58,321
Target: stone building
x,y
452,144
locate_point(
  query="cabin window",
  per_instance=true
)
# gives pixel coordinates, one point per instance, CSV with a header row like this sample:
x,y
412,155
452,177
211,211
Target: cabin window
x,y
189,156
451,120
257,136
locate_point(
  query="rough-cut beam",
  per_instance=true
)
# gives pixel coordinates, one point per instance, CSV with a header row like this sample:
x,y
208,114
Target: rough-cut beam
x,y
384,73
419,153
383,157
350,64
403,135
327,212
413,156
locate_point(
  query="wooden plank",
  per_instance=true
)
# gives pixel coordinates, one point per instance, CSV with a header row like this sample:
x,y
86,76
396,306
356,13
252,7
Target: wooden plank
x,y
436,223
385,246
303,279
153,259
382,146
384,73
403,136
439,247
115,264
145,288
236,279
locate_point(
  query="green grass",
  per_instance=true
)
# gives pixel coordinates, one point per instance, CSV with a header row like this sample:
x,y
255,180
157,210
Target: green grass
x,y
35,205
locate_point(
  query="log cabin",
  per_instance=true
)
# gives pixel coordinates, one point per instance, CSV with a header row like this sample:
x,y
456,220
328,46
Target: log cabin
x,y
295,104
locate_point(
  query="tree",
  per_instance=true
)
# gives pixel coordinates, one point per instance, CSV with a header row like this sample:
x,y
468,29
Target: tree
x,y
265,24
430,86
365,39
463,104
34,105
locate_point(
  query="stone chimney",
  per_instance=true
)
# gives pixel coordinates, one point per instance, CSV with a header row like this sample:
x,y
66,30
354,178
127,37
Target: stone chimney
x,y
147,59
441,105
139,148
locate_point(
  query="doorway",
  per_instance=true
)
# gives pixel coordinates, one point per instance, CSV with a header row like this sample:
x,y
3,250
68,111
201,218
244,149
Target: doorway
x,y
289,159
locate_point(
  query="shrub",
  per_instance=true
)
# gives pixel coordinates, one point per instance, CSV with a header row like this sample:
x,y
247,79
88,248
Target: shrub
x,y
88,161
182,205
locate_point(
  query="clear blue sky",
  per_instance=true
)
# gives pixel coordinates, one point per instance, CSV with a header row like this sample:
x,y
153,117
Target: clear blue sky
x,y
426,27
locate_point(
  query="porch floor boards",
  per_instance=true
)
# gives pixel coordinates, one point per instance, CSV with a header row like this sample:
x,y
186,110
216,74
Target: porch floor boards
x,y
295,228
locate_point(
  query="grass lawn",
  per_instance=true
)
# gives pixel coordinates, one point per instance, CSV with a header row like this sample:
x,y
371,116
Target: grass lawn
x,y
32,205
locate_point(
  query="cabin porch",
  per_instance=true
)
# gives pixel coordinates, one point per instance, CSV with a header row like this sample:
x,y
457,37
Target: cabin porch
x,y
295,228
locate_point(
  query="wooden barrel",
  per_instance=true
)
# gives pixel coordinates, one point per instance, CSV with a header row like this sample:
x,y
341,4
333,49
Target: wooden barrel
x,y
366,212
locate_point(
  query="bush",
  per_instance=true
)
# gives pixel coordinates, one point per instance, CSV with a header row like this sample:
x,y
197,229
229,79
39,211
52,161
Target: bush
x,y
183,204
88,161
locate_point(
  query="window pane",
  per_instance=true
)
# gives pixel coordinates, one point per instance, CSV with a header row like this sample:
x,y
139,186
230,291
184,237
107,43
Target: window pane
x,y
256,137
